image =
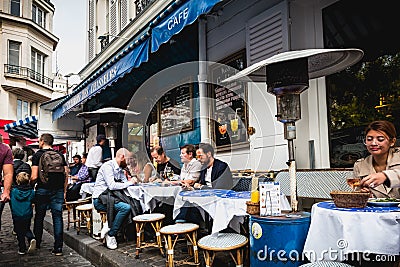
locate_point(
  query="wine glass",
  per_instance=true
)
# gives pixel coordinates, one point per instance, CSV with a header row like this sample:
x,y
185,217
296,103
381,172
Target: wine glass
x,y
222,130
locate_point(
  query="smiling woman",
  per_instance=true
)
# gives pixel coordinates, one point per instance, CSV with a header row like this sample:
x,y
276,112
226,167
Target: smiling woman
x,y
381,169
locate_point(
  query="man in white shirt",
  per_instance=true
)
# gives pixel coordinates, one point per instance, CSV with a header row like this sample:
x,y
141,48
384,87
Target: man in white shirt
x,y
191,168
95,156
111,176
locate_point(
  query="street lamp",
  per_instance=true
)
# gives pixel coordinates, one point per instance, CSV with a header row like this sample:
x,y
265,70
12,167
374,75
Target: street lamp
x,y
67,76
287,75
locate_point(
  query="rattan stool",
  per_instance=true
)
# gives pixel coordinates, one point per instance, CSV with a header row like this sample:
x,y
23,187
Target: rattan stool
x,y
103,218
71,207
84,215
189,230
223,242
155,220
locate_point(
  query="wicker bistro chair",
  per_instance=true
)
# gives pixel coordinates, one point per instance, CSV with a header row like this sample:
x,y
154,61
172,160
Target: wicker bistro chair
x,y
85,217
171,234
155,220
232,242
71,208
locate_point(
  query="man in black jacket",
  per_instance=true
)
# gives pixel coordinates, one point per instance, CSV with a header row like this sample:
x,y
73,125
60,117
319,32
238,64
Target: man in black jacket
x,y
215,173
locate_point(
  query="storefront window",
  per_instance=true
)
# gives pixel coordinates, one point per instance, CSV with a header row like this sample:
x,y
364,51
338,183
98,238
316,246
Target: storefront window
x,y
369,90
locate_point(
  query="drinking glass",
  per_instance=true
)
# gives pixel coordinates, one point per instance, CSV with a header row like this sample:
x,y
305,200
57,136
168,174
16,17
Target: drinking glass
x,y
354,182
234,127
222,130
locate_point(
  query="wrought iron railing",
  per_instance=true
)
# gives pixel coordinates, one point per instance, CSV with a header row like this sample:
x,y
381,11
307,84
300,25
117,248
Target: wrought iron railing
x,y
141,5
27,73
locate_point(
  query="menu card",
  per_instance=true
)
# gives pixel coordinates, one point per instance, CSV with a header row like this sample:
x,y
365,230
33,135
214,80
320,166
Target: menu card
x,y
270,199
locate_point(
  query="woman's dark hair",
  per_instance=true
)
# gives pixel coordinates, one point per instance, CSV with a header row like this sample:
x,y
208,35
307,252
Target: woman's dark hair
x,y
382,126
18,153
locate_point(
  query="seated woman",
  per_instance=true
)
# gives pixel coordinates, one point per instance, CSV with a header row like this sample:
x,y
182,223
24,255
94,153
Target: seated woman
x,y
145,170
380,171
79,174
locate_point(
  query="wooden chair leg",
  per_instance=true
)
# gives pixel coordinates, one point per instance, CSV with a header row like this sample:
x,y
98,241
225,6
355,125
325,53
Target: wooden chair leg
x,y
139,226
170,251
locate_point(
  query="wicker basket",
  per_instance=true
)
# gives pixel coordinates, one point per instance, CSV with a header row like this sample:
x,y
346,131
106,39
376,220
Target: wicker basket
x,y
350,199
253,208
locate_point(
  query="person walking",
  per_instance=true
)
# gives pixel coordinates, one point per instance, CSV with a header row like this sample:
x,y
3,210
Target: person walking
x,y
95,156
49,171
22,196
6,174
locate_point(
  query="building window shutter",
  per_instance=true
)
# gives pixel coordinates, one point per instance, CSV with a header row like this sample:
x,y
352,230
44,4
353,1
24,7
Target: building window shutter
x,y
113,19
267,34
91,33
124,13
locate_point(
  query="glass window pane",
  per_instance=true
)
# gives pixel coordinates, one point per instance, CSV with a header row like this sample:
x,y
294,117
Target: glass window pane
x,y
25,110
40,17
19,109
13,53
15,7
34,18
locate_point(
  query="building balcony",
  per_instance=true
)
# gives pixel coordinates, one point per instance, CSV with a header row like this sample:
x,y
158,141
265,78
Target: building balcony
x,y
28,74
141,5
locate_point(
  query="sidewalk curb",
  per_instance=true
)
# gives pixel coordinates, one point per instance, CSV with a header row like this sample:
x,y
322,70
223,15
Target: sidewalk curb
x,y
92,249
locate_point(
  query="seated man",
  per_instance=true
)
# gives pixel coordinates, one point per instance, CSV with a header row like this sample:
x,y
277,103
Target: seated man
x,y
110,179
191,168
215,174
79,174
163,162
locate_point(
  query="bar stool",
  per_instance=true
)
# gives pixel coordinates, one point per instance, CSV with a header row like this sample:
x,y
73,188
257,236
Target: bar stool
x,y
103,218
155,220
189,230
71,207
84,215
234,243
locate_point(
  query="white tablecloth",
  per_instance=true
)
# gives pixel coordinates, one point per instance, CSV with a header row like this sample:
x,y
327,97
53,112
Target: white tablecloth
x,y
335,232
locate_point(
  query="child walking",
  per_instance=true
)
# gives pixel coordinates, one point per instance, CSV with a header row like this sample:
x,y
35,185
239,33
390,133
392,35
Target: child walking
x,y
21,201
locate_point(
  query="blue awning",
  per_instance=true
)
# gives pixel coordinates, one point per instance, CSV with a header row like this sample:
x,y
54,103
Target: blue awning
x,y
26,127
173,20
131,57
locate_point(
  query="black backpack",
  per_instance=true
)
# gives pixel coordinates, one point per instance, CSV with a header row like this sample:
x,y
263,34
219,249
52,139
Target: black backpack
x,y
50,162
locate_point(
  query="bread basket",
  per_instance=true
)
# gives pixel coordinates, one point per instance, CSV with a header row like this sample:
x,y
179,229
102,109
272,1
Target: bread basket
x,y
343,199
253,208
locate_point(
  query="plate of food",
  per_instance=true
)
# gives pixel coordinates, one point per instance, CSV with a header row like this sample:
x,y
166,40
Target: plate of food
x,y
383,202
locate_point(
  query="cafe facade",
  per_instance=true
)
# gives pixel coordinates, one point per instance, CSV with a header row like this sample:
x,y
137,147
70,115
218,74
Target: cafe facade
x,y
168,60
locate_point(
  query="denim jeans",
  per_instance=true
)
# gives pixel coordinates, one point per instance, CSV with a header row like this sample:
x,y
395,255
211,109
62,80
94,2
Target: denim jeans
x,y
22,228
122,209
49,199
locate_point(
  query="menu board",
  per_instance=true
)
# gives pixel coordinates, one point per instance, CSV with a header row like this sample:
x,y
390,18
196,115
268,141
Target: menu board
x,y
175,110
230,125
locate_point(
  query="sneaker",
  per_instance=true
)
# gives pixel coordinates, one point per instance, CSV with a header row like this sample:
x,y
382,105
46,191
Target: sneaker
x,y
32,246
57,252
21,252
104,230
111,242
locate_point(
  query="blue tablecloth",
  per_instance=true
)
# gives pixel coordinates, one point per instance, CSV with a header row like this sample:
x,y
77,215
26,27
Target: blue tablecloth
x,y
330,205
204,193
237,195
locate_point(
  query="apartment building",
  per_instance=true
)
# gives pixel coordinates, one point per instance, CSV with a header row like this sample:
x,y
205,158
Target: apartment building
x,y
27,43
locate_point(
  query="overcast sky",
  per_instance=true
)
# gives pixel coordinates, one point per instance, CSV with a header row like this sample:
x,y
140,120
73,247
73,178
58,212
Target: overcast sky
x,y
69,25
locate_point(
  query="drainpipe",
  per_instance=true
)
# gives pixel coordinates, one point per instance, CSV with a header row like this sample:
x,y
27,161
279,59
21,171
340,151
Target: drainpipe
x,y
205,131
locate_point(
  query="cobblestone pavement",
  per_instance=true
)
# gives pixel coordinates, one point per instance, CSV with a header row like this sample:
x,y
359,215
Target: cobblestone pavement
x,y
41,257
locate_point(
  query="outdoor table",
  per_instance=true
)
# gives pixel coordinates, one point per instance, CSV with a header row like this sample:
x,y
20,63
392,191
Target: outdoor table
x,y
150,194
86,188
335,232
222,205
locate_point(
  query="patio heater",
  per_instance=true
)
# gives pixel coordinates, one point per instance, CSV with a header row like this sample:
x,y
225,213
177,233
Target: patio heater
x,y
287,75
111,129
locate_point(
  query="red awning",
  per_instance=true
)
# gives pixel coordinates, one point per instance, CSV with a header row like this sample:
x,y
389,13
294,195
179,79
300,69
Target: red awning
x,y
6,138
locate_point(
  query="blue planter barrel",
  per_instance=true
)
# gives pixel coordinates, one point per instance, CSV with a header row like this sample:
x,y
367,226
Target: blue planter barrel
x,y
278,241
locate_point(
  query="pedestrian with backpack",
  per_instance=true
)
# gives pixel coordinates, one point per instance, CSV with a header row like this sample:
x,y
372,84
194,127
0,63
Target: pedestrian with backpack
x,y
49,172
